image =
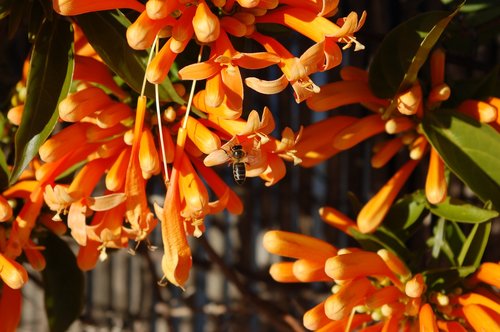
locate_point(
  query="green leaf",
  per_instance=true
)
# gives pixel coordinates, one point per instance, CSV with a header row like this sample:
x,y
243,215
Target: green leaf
x,y
4,172
403,52
455,239
63,283
475,244
406,211
446,278
106,31
469,149
438,239
51,69
456,210
382,238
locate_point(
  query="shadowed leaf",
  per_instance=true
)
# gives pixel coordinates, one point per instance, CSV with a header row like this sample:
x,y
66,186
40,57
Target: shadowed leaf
x,y
106,32
51,69
63,284
403,52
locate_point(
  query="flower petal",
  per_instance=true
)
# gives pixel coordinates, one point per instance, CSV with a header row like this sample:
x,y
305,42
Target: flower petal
x,y
77,7
12,273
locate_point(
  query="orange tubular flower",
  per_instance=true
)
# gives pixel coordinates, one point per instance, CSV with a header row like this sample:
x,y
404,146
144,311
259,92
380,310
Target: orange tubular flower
x,y
337,219
489,273
297,246
138,214
77,7
12,273
354,292
148,155
427,319
359,131
342,93
435,184
223,65
296,71
358,264
395,264
5,209
481,111
176,261
283,272
206,25
480,318
91,70
315,144
373,213
10,308
315,317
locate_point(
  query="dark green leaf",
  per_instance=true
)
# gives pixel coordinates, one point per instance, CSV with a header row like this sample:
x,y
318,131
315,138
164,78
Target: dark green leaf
x,y
63,283
36,17
474,245
106,31
455,239
403,52
446,278
406,211
49,79
4,172
382,238
468,149
459,211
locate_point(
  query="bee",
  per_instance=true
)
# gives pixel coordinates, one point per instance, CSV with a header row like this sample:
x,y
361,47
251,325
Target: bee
x,y
237,154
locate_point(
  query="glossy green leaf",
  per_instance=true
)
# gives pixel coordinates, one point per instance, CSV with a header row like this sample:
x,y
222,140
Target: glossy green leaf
x,y
468,149
474,5
403,52
475,244
456,210
63,284
51,69
406,211
106,31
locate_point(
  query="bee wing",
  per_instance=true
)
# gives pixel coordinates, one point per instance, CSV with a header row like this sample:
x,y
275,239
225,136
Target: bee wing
x,y
216,157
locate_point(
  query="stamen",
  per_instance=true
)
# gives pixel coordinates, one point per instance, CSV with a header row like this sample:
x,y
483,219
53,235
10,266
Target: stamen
x,y
160,125
191,94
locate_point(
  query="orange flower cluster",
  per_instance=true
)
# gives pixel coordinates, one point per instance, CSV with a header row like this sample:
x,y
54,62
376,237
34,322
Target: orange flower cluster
x,y
212,23
339,133
116,151
377,292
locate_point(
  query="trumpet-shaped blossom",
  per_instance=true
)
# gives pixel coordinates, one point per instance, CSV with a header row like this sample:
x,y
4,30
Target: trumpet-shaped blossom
x,y
377,291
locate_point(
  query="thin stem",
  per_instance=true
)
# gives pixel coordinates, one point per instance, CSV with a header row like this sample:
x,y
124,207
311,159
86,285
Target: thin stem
x,y
160,125
191,94
154,46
